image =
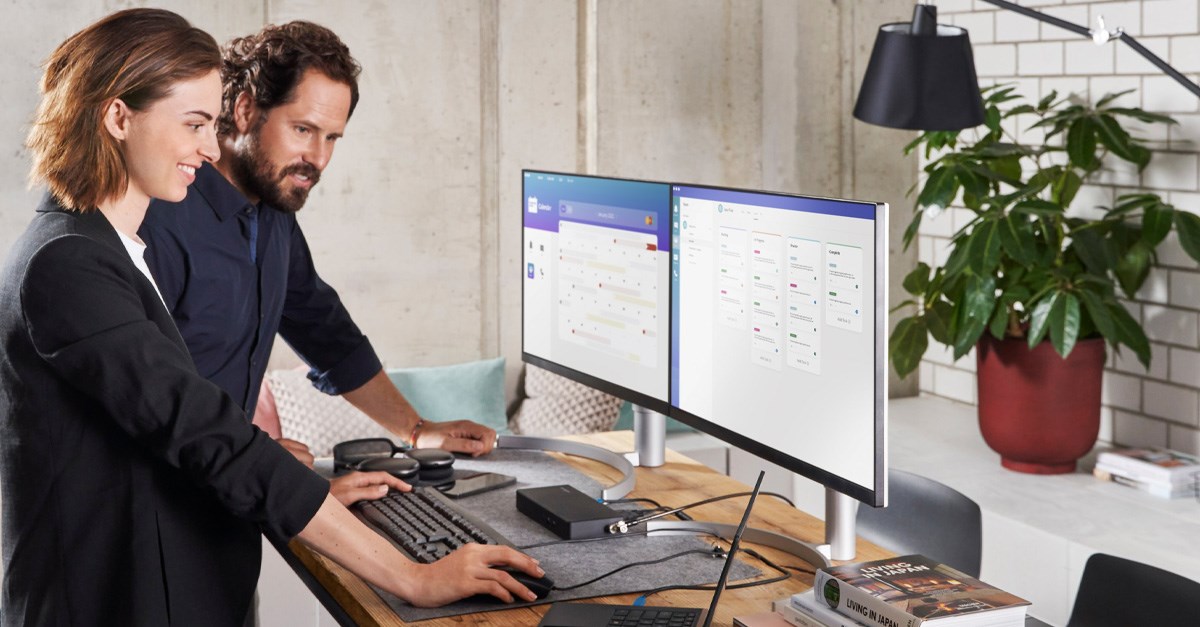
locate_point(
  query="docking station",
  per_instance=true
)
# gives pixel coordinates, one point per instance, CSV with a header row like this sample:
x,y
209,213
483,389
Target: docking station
x,y
566,511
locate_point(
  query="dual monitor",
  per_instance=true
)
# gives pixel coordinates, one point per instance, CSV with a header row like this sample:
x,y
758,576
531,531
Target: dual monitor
x,y
758,318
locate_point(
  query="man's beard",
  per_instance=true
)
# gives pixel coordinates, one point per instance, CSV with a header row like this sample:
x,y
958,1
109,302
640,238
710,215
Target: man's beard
x,y
257,176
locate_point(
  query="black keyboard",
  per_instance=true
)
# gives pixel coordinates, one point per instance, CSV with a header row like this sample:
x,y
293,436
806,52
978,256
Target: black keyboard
x,y
425,524
639,616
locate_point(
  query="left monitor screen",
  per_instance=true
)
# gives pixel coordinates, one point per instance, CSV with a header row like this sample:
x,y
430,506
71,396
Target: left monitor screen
x,y
597,285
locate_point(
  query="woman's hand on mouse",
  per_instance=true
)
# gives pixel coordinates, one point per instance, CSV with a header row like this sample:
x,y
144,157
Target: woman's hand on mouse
x,y
353,487
469,571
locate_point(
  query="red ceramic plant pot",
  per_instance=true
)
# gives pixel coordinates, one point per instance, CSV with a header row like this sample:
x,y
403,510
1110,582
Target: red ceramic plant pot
x,y
1040,412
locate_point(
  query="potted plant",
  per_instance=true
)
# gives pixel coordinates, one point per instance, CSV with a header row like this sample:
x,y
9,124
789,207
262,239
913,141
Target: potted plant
x,y
1032,286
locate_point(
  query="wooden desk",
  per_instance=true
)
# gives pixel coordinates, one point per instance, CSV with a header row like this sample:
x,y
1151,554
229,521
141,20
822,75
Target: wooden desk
x,y
678,482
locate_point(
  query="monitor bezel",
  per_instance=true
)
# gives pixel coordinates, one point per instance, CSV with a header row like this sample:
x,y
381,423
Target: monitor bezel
x,y
662,406
876,495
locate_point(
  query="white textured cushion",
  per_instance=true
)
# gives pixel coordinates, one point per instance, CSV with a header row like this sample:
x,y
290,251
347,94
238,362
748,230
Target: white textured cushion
x,y
317,419
558,406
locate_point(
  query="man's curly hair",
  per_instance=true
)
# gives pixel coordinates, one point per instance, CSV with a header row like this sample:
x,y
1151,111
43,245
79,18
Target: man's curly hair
x,y
269,64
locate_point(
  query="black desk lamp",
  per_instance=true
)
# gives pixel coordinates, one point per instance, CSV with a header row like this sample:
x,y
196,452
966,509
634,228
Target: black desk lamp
x,y
921,75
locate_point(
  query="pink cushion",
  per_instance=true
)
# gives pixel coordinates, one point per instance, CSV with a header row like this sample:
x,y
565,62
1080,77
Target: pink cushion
x,y
266,416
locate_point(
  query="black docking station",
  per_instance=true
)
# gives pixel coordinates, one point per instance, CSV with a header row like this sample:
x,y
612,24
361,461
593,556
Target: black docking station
x,y
567,512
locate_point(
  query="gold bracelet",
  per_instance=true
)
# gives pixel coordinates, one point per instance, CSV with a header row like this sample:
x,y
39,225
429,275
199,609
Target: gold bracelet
x,y
416,432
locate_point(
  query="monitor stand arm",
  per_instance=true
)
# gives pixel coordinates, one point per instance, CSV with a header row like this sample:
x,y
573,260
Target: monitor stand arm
x,y
799,548
840,535
649,438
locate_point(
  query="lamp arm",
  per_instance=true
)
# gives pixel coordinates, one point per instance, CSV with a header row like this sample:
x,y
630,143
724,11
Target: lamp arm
x,y
1081,30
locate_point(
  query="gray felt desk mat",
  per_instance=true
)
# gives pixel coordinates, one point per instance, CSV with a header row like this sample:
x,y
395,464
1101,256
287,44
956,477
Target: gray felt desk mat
x,y
569,564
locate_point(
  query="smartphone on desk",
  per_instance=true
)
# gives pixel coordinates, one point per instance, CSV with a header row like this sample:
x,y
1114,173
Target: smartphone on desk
x,y
476,483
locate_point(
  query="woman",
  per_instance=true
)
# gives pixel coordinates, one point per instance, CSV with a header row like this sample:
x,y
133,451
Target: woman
x,y
134,489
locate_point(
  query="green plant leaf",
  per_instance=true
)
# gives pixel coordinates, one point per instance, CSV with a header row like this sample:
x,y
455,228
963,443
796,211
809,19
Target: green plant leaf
x,y
908,343
1016,236
918,280
1081,144
1001,149
1045,103
1133,267
992,119
973,185
939,319
1093,251
940,188
1113,136
914,227
1066,187
1019,109
1129,333
1009,168
1064,323
1144,116
983,248
1156,224
1133,202
1098,312
1039,319
1039,207
1109,97
923,137
1188,227
998,326
979,298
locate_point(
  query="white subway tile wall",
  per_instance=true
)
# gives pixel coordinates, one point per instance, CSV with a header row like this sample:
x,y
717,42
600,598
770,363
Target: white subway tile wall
x,y
1158,406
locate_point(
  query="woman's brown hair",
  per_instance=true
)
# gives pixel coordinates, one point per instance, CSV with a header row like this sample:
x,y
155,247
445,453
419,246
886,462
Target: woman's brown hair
x,y
136,55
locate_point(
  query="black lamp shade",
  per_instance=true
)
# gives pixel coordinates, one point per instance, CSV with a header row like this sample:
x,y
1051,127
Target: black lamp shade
x,y
921,81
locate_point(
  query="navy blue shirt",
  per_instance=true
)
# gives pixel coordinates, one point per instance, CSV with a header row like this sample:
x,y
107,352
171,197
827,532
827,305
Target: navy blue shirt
x,y
229,299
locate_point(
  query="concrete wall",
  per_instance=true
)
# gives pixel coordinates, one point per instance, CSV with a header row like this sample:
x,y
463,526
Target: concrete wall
x,y
1159,406
410,221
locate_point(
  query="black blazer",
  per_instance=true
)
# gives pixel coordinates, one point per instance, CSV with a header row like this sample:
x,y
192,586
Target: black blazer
x,y
133,488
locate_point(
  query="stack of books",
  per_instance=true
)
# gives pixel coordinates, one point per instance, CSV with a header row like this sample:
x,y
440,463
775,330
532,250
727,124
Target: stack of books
x,y
904,591
1163,473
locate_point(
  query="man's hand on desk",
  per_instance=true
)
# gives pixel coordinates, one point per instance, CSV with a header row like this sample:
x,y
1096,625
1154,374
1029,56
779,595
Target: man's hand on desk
x,y
351,488
457,436
468,571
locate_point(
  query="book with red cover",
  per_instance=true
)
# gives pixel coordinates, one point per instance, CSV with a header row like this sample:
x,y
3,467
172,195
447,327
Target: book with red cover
x,y
913,590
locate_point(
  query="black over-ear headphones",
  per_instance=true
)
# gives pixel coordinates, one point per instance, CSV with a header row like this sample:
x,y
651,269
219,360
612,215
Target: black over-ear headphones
x,y
428,465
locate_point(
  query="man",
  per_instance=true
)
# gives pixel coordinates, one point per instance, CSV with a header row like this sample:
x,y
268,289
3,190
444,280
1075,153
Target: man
x,y
232,262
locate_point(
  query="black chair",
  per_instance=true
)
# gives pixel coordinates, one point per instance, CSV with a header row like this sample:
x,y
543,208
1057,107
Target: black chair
x,y
1116,592
926,517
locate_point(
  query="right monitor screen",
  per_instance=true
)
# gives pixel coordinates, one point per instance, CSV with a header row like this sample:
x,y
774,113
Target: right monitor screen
x,y
778,313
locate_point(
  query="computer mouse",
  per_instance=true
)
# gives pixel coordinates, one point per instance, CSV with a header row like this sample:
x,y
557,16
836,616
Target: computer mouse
x,y
539,586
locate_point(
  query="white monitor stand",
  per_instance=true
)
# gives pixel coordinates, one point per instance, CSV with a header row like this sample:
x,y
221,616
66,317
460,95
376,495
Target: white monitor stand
x,y
649,438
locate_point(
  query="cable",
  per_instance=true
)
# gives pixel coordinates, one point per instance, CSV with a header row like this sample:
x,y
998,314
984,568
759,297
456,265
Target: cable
x,y
803,569
657,506
622,526
710,552
783,576
701,531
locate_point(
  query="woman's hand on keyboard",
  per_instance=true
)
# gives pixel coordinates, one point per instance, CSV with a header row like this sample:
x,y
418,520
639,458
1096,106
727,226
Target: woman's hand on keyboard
x,y
469,571
353,487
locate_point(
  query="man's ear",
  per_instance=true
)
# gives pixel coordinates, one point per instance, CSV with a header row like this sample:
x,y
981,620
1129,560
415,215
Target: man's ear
x,y
116,118
245,113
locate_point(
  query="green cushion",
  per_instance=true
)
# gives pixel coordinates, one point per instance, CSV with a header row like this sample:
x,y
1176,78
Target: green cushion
x,y
625,421
468,391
